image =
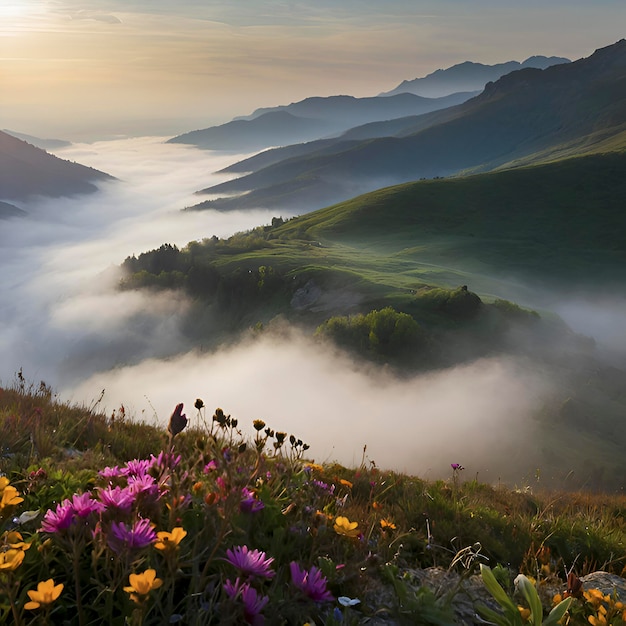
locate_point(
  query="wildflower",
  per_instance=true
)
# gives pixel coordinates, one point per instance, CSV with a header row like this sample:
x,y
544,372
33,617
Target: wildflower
x,y
137,467
165,460
199,403
11,559
142,584
457,467
118,498
345,601
139,535
58,520
9,495
314,467
346,483
14,540
145,485
249,504
47,592
209,467
170,541
84,505
311,583
258,424
250,562
387,525
253,602
343,526
524,613
377,506
110,472
178,421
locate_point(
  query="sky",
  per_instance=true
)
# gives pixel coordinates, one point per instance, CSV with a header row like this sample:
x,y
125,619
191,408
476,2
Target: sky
x,y
93,69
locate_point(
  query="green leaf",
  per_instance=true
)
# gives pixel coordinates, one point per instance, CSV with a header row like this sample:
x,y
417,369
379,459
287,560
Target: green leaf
x,y
495,589
557,612
532,598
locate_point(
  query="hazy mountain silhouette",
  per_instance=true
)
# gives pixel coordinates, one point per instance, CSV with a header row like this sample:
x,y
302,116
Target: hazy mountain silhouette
x,y
44,144
468,76
26,170
9,210
527,116
310,119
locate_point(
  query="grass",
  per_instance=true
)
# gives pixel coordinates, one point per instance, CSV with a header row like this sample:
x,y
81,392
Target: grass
x,y
209,486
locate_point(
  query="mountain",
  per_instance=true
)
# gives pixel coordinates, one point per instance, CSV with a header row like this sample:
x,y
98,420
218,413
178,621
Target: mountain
x,y
309,119
26,171
527,116
44,144
9,210
468,76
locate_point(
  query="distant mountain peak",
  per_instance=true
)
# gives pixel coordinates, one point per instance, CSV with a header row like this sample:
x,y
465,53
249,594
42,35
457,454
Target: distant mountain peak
x,y
468,76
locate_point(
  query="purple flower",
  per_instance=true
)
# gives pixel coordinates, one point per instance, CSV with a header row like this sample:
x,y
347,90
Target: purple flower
x,y
58,520
84,505
249,504
457,467
143,485
250,562
137,467
253,602
165,460
110,472
139,535
311,583
117,498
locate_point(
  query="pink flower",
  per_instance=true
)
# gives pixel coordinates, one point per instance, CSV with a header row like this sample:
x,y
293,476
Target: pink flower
x,y
210,466
251,562
311,583
58,520
84,505
137,467
117,498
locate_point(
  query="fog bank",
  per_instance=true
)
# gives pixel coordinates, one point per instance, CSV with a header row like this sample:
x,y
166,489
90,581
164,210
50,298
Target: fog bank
x,y
474,414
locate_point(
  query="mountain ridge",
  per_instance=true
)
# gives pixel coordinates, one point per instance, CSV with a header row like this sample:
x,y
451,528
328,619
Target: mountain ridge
x,y
468,76
568,108
27,171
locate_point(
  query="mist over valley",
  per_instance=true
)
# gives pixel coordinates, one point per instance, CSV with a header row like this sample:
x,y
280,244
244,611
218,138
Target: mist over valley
x,y
473,313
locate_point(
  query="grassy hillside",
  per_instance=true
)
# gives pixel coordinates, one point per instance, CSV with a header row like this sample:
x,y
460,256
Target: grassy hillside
x,y
420,276
214,521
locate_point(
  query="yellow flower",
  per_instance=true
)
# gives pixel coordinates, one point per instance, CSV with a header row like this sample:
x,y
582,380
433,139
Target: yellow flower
x,y
10,560
10,495
14,540
170,541
597,621
47,592
524,612
387,525
142,584
343,526
314,466
346,483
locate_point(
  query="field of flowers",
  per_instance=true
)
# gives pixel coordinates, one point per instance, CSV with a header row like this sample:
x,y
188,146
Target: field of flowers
x,y
216,526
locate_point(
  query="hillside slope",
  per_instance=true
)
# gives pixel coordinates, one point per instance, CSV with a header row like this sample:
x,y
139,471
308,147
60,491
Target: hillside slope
x,y
528,115
27,171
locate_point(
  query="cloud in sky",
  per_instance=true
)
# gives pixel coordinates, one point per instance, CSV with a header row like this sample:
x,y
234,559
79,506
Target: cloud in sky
x,y
75,69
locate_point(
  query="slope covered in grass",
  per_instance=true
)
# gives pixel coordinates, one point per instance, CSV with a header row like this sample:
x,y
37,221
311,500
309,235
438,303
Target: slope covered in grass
x,y
217,521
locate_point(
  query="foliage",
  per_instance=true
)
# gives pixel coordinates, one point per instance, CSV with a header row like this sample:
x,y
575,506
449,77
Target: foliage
x,y
385,333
